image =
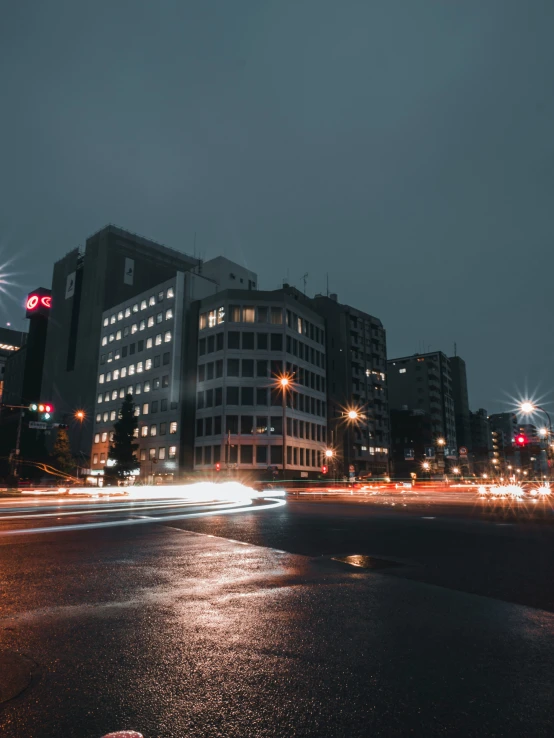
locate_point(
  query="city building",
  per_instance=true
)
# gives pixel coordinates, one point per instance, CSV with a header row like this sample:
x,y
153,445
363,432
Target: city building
x,y
227,275
461,401
115,267
356,367
482,455
261,383
146,347
412,443
10,342
424,382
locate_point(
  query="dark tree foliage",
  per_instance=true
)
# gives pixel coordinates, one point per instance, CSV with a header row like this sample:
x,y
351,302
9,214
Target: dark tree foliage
x,y
123,447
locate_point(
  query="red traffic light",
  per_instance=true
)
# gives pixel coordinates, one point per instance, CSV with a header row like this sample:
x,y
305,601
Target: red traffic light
x,y
218,466
324,469
521,439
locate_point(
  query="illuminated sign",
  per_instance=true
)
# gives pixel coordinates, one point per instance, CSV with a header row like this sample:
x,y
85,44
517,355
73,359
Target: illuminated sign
x,y
39,302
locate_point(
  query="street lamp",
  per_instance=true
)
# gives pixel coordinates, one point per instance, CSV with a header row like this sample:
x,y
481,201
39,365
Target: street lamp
x,y
284,382
353,416
456,470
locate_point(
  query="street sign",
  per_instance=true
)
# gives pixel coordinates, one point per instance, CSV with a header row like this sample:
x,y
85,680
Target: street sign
x,y
38,425
463,451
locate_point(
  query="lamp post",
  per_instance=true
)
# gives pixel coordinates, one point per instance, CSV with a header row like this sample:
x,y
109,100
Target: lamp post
x,y
441,442
329,456
80,415
528,408
284,382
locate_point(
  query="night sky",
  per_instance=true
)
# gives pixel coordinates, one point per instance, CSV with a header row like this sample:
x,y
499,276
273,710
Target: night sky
x,y
403,147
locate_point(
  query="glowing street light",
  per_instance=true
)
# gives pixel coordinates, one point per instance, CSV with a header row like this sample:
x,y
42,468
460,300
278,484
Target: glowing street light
x,y
80,415
426,465
543,432
527,407
455,470
284,383
329,453
441,442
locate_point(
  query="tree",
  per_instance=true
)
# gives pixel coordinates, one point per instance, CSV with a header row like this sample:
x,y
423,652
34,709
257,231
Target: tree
x,y
123,446
61,452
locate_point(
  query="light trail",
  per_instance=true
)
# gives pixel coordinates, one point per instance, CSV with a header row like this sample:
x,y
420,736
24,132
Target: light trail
x,y
229,509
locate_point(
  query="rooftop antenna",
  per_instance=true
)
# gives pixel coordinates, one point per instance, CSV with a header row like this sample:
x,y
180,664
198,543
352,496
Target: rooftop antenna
x,y
305,279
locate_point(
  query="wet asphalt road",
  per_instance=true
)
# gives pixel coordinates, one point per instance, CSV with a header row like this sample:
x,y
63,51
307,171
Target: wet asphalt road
x,y
163,629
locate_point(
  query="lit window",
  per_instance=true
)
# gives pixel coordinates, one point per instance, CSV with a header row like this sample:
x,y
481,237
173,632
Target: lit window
x,y
118,336
99,398
131,369
111,337
234,313
220,315
172,452
105,417
161,453
364,448
98,417
130,390
169,314
143,305
173,427
101,379
106,322
203,322
110,356
120,315
143,454
212,318
153,429
148,364
138,388
104,340
170,292
147,386
97,438
144,431
122,393
104,437
151,321
145,408
123,372
137,411
402,371
136,433
140,367
167,336
112,415
95,459
142,325
152,300
114,394
149,343
134,328
106,396
117,354
116,374
151,453
248,315
127,312
112,318
109,377
135,307
158,339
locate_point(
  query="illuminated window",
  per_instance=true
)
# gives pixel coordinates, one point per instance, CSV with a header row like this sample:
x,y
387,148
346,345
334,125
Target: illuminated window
x,y
148,364
172,452
127,312
170,292
167,337
115,374
95,459
158,339
110,356
134,328
111,337
131,369
109,377
152,300
114,394
145,408
159,317
161,452
117,354
112,318
104,437
118,336
144,431
153,429
140,367
104,340
402,371
137,411
122,393
106,396
99,398
169,314
143,454
142,325
106,322
212,318
105,417
138,388
112,415
151,453
149,343
147,386
143,305
276,316
248,314
97,438
173,426
130,390
120,315
151,321
203,321
234,313
135,307
123,372
136,433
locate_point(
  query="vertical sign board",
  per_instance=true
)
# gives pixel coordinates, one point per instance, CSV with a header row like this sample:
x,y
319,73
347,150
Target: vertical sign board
x,y
70,285
129,272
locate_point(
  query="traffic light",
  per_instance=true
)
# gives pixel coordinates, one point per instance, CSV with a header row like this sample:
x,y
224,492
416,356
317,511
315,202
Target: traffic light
x,y
324,469
521,440
218,466
44,409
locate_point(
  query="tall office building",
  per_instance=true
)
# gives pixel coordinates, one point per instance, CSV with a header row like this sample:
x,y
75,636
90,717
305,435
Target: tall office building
x,y
10,342
114,267
461,401
247,342
424,382
356,368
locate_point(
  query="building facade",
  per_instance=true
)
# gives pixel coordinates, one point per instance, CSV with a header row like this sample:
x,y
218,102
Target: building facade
x,y
10,342
461,401
424,382
247,343
356,366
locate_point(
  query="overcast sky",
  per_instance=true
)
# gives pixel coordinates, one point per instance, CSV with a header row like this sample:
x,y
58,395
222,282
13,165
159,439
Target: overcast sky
x,y
404,147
